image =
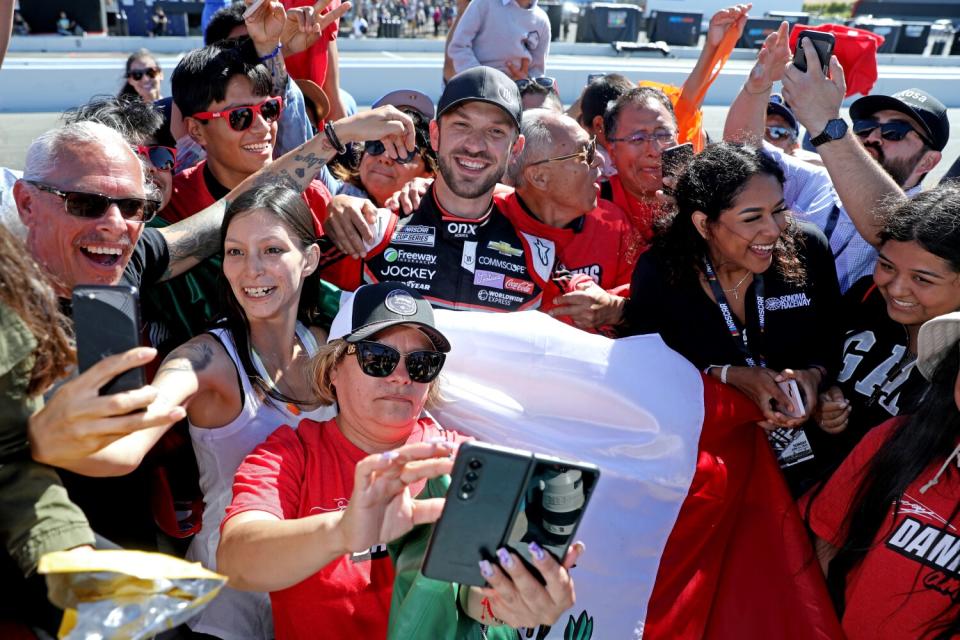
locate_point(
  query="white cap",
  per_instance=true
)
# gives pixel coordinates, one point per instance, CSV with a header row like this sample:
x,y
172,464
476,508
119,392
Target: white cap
x,y
936,338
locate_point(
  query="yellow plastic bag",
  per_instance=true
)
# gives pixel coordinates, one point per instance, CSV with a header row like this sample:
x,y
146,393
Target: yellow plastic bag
x,y
125,594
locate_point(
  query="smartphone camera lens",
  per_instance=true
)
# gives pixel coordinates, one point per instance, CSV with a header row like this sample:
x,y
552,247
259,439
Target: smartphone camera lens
x,y
471,476
466,491
476,463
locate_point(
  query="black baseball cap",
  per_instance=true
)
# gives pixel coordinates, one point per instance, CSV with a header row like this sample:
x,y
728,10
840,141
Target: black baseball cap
x,y
778,106
375,307
483,84
929,112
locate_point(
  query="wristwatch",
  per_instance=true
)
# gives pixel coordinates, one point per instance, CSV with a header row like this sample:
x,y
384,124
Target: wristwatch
x,y
835,129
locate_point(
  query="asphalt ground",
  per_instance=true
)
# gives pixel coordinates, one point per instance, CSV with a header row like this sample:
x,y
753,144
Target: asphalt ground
x,y
17,130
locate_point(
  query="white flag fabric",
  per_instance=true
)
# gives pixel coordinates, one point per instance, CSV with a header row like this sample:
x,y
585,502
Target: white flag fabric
x,y
632,406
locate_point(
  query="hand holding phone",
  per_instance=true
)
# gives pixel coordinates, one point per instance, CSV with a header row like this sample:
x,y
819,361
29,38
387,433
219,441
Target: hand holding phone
x,y
107,321
252,8
823,44
673,160
792,391
501,498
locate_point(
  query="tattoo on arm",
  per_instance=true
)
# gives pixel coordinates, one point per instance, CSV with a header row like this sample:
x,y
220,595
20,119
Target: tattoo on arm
x,y
190,357
192,240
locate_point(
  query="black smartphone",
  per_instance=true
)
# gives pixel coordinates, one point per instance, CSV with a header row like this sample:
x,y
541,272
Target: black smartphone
x,y
673,160
593,76
502,497
106,320
822,42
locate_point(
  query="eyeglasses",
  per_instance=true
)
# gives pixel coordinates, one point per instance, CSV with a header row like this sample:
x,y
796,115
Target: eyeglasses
x,y
91,206
588,154
376,148
162,158
779,133
894,130
137,74
379,360
548,83
659,138
240,118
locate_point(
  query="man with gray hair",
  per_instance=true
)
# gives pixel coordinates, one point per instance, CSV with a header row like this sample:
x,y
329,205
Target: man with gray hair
x,y
555,176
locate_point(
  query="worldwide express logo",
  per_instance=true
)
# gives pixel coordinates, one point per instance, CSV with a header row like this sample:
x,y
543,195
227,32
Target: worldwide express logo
x,y
392,255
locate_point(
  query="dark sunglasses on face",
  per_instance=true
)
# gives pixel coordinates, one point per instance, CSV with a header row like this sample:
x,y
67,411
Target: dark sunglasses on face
x,y
137,74
240,118
376,148
91,206
162,158
894,130
544,81
379,361
779,133
588,154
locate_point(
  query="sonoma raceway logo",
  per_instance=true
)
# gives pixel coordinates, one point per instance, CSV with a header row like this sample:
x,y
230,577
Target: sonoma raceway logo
x,y
394,255
792,301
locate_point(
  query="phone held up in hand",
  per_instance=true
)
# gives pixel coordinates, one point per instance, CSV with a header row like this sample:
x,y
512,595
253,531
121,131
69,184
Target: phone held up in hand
x,y
823,43
673,160
107,321
790,388
501,497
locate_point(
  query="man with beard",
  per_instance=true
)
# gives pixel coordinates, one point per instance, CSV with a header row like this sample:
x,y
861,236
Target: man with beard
x,y
457,247
893,143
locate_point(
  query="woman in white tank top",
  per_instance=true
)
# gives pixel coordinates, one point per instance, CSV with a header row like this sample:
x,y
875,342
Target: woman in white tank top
x,y
246,377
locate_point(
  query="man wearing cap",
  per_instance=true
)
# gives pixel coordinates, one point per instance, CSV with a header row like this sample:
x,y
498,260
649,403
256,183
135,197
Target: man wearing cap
x,y
457,248
893,143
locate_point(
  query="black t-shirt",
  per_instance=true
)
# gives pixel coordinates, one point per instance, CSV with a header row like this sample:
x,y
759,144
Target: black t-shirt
x,y
119,508
799,329
799,332
878,375
149,261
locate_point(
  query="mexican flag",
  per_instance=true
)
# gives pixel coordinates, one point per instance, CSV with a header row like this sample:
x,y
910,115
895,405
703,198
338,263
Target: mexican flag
x,y
691,531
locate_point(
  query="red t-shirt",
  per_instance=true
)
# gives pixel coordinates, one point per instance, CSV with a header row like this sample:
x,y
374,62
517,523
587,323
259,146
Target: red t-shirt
x,y
310,470
191,195
312,63
641,214
910,575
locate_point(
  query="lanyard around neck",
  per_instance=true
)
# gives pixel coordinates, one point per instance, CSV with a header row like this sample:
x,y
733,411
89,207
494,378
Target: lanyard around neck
x,y
737,331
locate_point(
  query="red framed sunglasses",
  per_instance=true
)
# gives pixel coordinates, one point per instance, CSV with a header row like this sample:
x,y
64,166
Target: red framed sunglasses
x,y
162,158
240,118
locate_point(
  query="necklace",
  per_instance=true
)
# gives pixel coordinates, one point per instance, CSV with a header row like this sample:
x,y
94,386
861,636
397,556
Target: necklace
x,y
735,290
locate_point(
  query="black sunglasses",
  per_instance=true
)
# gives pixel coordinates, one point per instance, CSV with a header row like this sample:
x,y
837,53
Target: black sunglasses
x,y
94,205
162,158
379,360
138,74
894,130
376,148
240,118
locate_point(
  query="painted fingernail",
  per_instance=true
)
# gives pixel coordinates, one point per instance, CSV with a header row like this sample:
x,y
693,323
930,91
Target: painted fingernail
x,y
505,558
581,544
485,569
537,551
389,455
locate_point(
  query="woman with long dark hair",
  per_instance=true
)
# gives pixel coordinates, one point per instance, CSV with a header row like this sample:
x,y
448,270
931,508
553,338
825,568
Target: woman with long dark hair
x,y
738,287
244,378
917,277
887,521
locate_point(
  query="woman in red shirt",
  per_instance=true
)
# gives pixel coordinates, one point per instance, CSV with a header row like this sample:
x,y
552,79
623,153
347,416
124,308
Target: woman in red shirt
x,y
888,521
313,508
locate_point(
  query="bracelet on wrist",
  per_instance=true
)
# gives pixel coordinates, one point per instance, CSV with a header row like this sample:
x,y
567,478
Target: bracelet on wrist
x,y
723,373
338,146
272,55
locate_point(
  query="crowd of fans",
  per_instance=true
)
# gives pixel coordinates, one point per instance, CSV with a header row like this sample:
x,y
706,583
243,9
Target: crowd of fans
x,y
290,420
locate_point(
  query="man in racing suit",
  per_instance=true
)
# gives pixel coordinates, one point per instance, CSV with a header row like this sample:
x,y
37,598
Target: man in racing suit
x,y
457,247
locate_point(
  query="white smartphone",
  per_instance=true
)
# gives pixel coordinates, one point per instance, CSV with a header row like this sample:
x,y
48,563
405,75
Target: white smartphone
x,y
252,9
790,388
